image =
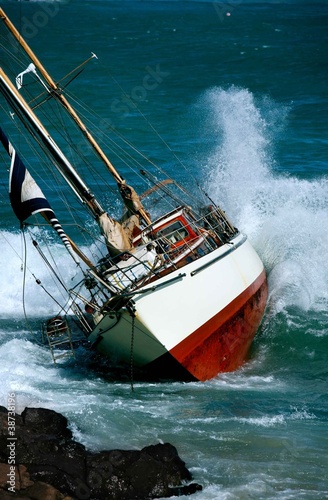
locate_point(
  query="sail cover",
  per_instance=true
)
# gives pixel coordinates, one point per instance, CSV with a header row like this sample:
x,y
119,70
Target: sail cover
x,y
25,195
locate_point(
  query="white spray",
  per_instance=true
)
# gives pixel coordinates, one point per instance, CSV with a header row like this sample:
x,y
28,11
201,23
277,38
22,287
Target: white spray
x,y
286,218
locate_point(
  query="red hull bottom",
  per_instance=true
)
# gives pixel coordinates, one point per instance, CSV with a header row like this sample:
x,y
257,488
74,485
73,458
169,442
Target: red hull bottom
x,y
222,344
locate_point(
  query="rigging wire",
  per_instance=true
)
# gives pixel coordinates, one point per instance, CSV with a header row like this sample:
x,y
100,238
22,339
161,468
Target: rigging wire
x,y
150,125
133,318
118,150
127,159
123,152
158,135
49,177
55,273
63,131
24,267
67,136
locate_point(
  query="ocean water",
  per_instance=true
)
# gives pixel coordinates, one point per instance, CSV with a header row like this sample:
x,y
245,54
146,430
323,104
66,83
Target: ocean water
x,y
235,92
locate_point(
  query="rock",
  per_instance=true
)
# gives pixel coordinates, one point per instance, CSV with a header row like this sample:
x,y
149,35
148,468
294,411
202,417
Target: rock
x,y
46,422
3,475
43,491
52,466
24,477
38,491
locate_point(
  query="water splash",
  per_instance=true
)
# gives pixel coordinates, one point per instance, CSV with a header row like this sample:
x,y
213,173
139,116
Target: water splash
x,y
21,267
285,217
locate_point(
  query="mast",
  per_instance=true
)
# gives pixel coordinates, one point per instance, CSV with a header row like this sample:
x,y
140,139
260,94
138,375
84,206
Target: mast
x,y
116,239
36,128
57,93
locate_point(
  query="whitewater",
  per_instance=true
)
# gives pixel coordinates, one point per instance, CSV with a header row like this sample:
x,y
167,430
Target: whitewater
x,y
282,217
240,106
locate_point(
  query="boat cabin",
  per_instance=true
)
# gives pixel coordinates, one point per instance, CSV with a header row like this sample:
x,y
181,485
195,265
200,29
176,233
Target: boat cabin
x,y
173,241
174,231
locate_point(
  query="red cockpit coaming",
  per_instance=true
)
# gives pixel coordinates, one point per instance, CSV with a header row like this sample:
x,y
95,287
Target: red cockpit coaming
x,y
184,223
223,342
177,215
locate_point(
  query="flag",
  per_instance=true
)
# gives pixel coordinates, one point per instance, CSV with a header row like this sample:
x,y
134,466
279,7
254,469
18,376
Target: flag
x,y
19,78
26,197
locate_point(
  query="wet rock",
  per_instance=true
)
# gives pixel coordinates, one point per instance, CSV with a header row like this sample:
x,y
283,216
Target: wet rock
x,y
41,421
50,465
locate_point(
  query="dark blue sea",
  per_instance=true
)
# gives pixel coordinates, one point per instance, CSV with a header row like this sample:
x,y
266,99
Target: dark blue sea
x,y
237,92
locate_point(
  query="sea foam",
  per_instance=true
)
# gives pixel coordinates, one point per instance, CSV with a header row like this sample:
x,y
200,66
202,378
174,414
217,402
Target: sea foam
x,y
285,217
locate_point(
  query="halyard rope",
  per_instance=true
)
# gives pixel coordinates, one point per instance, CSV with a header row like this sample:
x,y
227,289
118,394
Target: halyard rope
x,y
131,351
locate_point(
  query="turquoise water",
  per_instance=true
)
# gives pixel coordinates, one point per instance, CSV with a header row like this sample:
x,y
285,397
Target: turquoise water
x,y
241,100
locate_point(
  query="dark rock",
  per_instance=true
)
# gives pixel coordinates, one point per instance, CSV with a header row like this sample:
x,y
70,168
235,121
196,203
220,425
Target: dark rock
x,y
38,491
52,465
46,422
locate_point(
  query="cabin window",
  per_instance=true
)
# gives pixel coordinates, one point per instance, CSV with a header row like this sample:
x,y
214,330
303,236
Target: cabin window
x,y
174,232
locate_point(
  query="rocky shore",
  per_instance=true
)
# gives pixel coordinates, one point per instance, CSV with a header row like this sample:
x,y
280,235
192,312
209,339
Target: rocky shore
x,y
40,460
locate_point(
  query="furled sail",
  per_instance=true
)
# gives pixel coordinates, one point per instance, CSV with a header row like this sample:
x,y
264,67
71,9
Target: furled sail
x,y
26,196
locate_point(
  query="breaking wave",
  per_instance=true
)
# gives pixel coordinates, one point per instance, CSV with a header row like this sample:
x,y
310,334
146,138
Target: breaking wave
x,y
283,215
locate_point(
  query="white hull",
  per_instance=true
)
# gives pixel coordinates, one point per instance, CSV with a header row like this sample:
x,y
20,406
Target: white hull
x,y
184,291
178,309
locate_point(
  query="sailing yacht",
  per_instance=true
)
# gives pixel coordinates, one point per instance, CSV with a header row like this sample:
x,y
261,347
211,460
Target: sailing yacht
x,y
179,294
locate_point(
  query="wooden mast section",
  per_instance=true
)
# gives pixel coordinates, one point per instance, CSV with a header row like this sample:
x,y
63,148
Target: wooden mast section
x,y
23,110
56,92
117,240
